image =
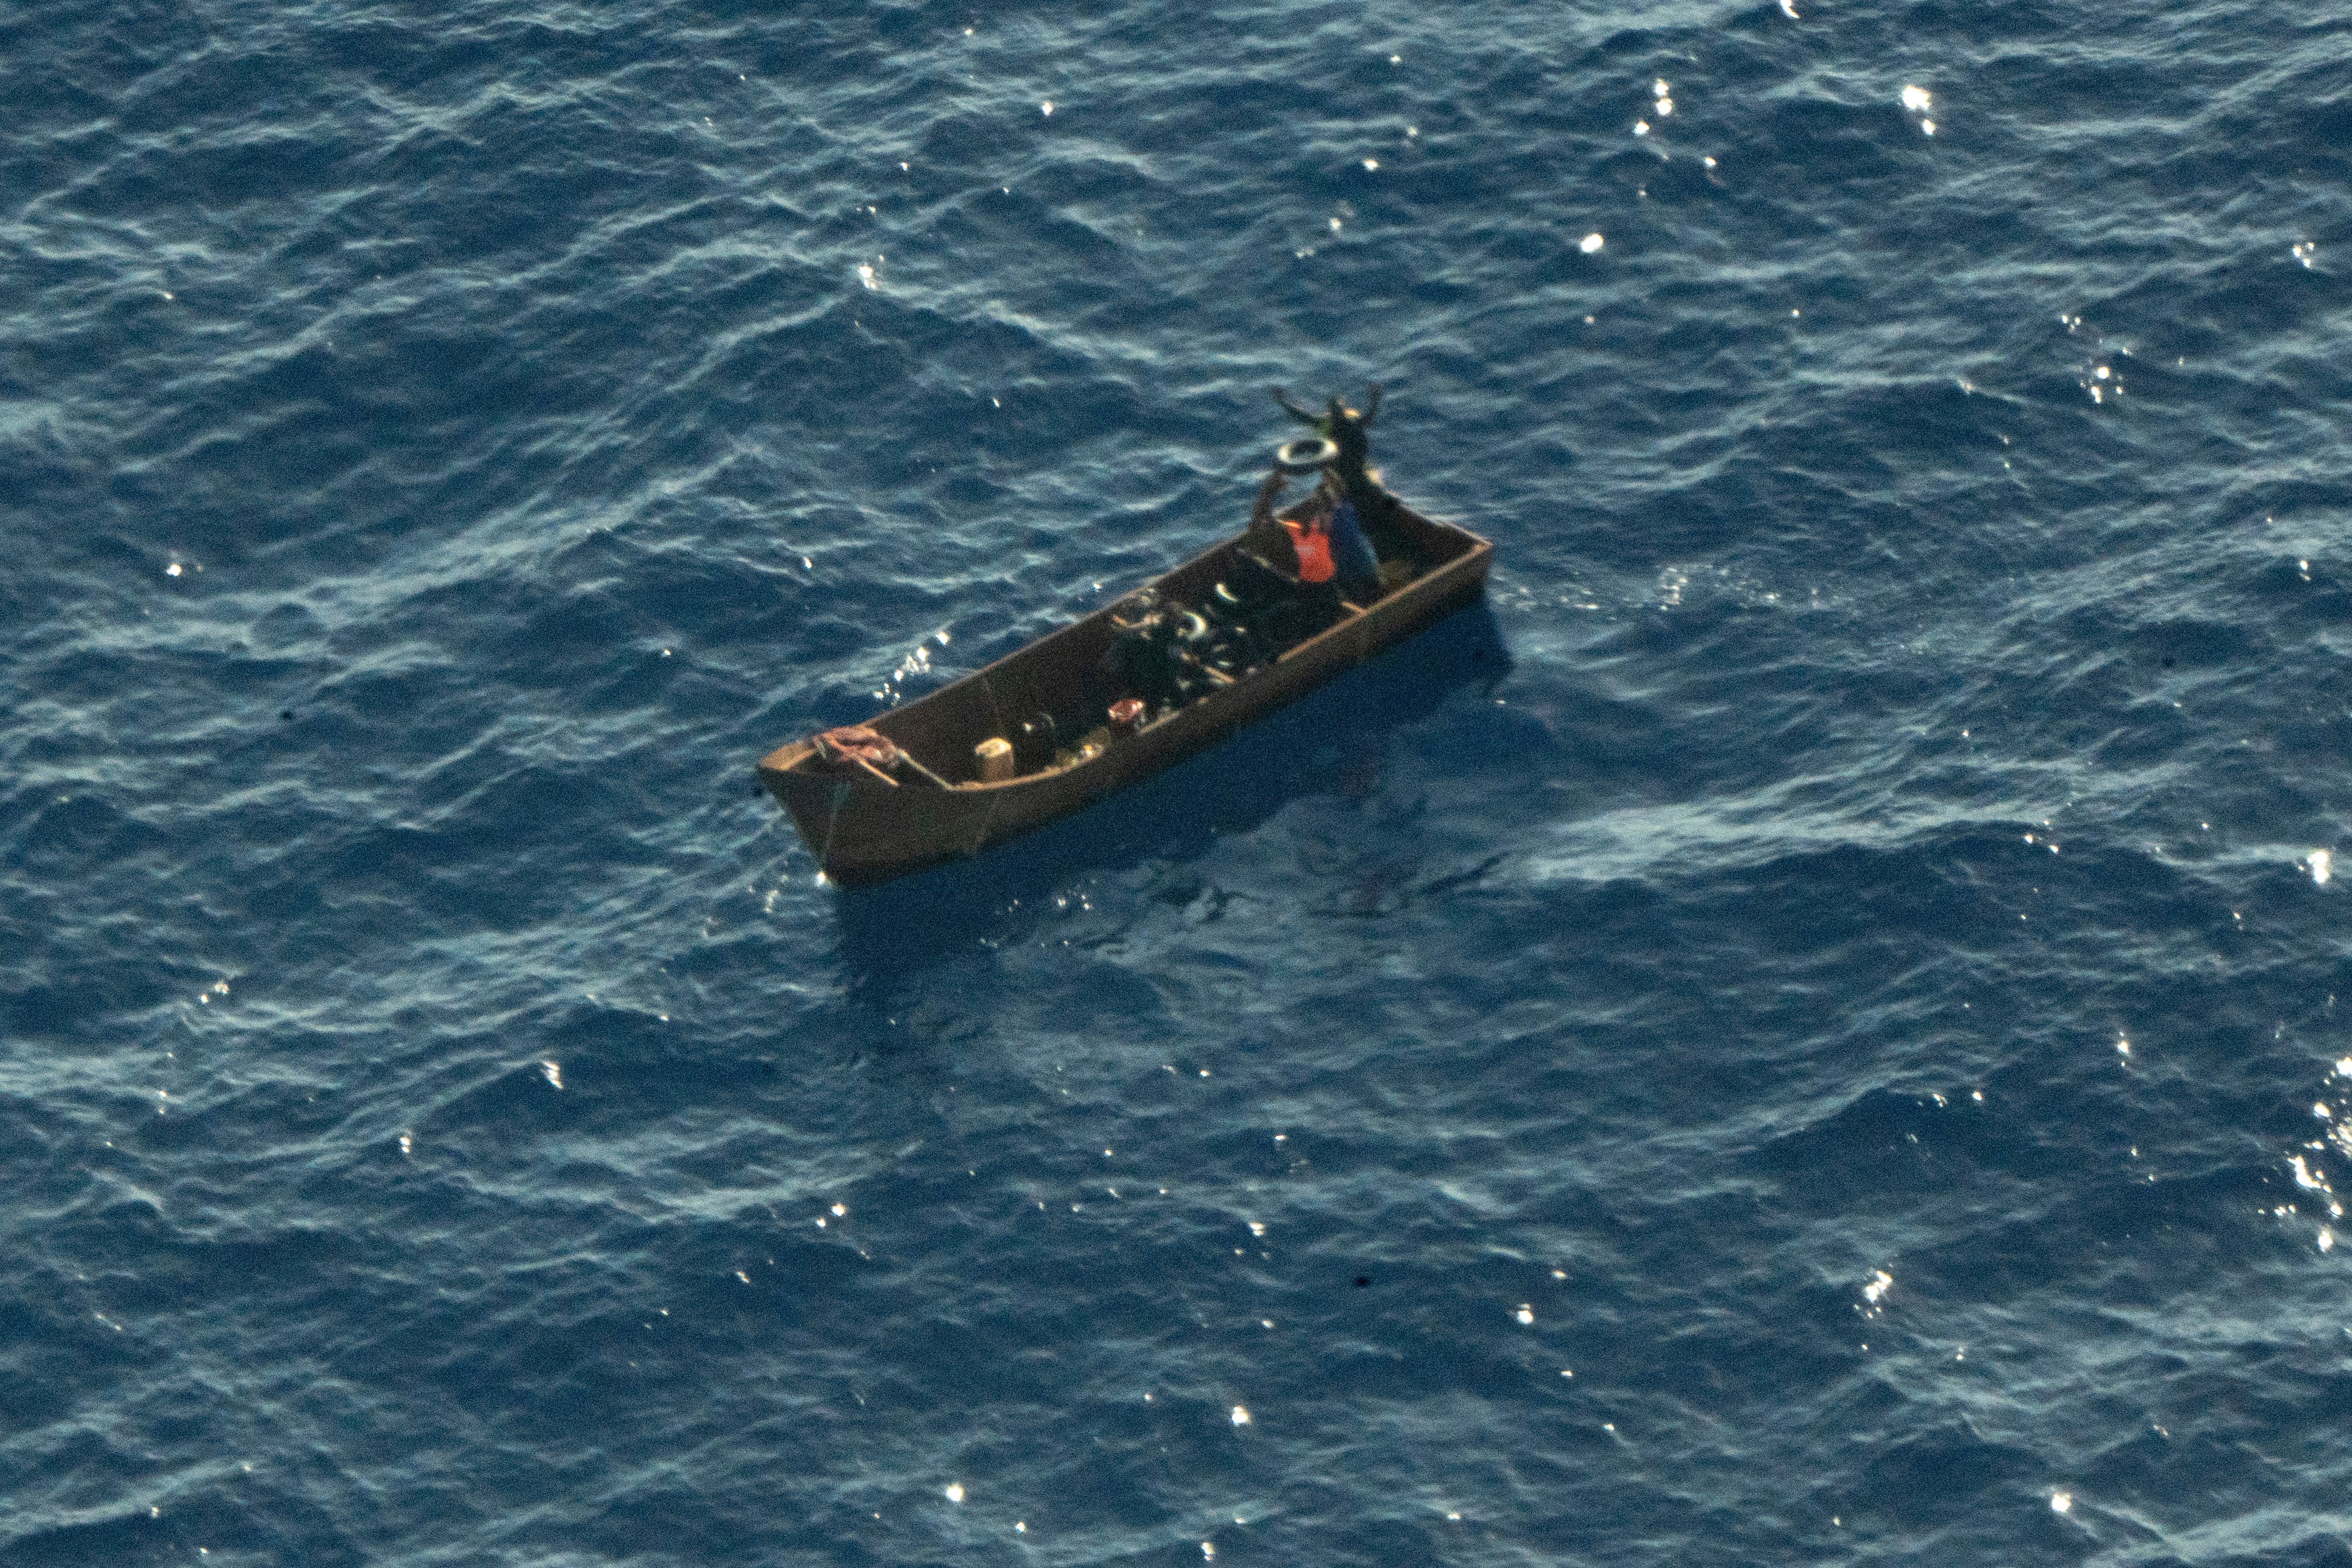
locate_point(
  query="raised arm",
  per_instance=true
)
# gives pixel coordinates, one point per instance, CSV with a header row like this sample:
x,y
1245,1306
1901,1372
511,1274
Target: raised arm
x,y
1262,512
1267,540
1282,396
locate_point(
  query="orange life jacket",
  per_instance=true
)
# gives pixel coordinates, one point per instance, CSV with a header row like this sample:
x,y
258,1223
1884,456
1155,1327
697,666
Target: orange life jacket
x,y
1313,548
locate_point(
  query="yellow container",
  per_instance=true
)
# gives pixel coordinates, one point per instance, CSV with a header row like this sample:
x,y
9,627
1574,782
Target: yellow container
x,y
992,760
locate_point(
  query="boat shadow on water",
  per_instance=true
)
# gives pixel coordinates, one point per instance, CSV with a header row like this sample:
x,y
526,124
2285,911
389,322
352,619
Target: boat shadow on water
x,y
1317,745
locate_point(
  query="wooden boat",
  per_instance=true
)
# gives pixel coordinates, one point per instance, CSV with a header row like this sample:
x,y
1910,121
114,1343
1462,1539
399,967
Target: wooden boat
x,y
866,825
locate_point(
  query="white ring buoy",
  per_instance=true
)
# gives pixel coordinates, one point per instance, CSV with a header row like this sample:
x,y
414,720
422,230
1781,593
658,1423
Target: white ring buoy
x,y
1306,455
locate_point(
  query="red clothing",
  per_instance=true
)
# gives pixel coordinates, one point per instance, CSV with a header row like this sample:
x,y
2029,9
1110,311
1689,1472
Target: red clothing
x,y
1313,547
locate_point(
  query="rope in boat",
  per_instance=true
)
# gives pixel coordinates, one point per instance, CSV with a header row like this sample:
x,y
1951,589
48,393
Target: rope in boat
x,y
872,752
856,743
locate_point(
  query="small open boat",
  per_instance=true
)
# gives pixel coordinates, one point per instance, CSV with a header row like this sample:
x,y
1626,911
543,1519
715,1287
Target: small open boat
x,y
928,801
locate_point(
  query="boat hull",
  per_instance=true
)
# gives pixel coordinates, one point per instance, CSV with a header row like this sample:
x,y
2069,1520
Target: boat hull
x,y
863,831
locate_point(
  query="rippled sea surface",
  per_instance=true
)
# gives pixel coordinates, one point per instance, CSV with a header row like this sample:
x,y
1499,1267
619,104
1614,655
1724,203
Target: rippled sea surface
x,y
1804,1029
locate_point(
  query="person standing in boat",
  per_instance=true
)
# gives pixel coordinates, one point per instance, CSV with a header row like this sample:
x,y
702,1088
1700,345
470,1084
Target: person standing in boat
x,y
1348,429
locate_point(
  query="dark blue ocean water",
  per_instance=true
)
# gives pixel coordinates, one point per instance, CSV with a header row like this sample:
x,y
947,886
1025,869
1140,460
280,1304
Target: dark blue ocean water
x,y
1805,1030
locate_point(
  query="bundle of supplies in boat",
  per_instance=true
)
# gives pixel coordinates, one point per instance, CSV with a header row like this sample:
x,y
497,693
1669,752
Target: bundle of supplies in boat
x,y
1166,655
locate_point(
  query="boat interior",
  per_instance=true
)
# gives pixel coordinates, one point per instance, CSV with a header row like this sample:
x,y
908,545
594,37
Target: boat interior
x,y
1050,700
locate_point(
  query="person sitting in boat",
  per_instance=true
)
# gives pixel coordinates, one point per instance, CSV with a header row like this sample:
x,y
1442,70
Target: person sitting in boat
x,y
1326,543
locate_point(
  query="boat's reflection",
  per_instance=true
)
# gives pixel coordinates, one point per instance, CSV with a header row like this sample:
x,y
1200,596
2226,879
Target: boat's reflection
x,y
903,927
